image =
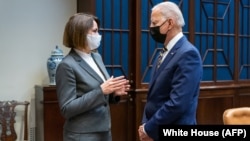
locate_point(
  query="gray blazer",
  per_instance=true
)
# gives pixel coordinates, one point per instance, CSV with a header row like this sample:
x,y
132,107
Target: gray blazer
x,y
81,101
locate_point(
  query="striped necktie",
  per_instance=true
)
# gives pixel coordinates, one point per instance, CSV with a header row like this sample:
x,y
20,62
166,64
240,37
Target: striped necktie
x,y
160,56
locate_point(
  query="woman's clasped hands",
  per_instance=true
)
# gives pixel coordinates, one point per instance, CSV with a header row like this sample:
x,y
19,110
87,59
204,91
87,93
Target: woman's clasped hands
x,y
117,85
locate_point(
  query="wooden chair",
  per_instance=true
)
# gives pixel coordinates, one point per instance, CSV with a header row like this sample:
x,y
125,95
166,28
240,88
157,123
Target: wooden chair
x,y
237,116
7,120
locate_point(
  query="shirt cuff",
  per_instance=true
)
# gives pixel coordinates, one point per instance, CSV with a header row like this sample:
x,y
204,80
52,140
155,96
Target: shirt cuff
x,y
144,129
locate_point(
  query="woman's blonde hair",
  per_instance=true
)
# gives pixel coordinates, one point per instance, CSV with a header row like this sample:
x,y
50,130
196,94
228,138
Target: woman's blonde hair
x,y
76,30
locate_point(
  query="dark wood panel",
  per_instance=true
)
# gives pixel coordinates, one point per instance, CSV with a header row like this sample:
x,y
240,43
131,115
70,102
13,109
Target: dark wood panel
x,y
244,100
244,96
87,6
141,97
122,120
210,110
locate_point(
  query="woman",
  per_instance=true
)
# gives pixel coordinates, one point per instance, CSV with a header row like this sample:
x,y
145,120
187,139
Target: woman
x,y
84,87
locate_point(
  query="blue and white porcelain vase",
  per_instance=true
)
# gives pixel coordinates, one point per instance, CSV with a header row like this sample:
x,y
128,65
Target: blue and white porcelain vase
x,y
52,64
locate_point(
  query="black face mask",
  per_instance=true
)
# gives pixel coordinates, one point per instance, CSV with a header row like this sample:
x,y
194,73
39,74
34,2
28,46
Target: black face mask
x,y
156,35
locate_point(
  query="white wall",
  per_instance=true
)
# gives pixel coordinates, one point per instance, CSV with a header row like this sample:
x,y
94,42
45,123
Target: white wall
x,y
29,31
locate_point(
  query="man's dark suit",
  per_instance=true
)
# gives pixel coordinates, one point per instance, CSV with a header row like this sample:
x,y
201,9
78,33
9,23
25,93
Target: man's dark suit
x,y
174,89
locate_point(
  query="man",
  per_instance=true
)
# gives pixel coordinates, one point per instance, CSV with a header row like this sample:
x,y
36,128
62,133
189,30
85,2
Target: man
x,y
174,87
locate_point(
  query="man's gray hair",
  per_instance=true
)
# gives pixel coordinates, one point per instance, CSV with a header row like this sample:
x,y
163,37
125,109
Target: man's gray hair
x,y
171,10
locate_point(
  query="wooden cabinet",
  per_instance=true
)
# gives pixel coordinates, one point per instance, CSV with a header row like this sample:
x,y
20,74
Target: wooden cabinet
x,y
49,122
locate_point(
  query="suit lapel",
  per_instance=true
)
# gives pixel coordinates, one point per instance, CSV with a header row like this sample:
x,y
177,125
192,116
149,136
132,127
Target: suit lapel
x,y
170,55
84,65
100,65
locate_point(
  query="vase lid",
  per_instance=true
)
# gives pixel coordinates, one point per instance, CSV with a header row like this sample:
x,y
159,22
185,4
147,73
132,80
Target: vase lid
x,y
57,51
